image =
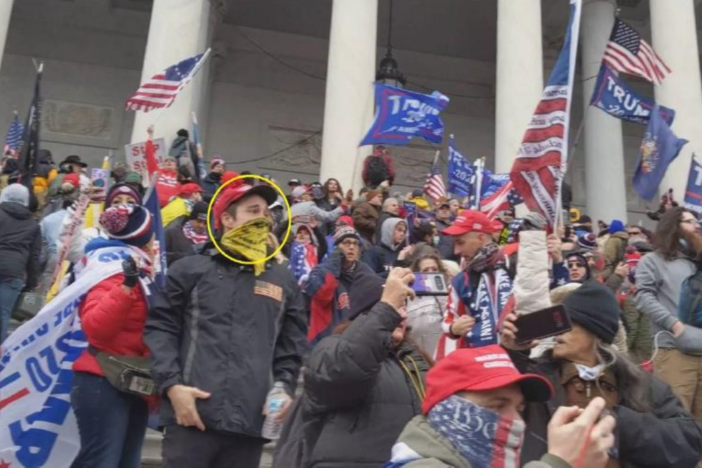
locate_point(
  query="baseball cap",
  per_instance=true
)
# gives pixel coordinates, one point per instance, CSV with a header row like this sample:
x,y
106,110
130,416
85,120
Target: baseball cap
x,y
237,190
294,182
481,369
190,188
471,221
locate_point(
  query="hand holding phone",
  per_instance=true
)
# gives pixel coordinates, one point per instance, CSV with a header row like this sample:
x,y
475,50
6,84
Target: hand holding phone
x,y
541,324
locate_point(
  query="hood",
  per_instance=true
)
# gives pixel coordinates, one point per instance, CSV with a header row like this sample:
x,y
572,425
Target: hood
x,y
16,210
388,230
420,442
101,242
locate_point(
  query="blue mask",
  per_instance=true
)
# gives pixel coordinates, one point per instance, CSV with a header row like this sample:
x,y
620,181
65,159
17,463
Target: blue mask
x,y
482,436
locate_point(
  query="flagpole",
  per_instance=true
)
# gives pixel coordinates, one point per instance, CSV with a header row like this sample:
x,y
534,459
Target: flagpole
x,y
481,163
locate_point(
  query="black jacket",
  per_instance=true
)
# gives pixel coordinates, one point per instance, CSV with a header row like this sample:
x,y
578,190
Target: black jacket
x,y
381,259
210,184
20,244
445,242
223,330
177,245
667,437
357,397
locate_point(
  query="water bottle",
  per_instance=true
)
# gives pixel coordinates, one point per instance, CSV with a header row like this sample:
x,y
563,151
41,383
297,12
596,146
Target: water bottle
x,y
275,401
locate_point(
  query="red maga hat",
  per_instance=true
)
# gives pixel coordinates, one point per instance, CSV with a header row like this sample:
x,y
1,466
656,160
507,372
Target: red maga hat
x,y
472,221
190,188
237,190
481,369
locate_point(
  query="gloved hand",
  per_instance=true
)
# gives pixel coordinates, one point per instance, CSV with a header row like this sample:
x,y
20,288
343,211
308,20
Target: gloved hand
x,y
131,272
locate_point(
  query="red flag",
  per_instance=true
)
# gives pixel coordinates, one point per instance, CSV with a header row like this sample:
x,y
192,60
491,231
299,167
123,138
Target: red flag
x,y
151,162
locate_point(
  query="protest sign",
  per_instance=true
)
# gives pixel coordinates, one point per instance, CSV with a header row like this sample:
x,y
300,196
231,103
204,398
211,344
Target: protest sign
x,y
693,192
136,157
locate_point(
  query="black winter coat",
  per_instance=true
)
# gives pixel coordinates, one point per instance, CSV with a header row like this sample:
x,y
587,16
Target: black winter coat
x,y
177,245
445,246
210,184
20,244
669,437
223,330
357,397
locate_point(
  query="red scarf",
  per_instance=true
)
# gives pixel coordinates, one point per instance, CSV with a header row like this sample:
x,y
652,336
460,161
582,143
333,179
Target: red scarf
x,y
193,236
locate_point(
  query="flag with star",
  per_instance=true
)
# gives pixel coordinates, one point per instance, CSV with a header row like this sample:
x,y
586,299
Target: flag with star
x,y
161,89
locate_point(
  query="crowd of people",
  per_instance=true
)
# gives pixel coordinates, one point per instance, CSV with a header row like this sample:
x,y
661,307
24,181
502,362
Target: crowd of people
x,y
386,377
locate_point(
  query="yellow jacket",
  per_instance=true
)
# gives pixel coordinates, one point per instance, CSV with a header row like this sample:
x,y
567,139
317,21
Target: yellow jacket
x,y
175,209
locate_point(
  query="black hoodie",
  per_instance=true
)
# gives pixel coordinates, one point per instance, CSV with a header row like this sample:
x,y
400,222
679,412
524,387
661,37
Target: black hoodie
x,y
20,244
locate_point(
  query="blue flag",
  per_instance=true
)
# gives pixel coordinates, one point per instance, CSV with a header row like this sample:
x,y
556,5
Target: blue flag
x,y
613,96
460,172
659,148
151,204
693,192
401,115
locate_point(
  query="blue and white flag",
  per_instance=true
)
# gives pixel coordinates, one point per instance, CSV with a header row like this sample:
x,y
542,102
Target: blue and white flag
x,y
693,192
460,172
614,96
401,115
37,426
659,148
159,247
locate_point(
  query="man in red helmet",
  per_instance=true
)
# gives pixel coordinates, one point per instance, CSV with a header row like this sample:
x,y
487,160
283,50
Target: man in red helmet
x,y
223,335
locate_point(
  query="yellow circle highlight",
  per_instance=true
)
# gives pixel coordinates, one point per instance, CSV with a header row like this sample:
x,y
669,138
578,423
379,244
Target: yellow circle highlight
x,y
209,217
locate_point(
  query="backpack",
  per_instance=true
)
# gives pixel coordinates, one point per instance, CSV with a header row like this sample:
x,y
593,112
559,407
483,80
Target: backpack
x,y
376,170
690,304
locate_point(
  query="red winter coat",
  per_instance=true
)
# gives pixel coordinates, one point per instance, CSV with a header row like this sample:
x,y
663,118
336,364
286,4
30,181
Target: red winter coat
x,y
113,321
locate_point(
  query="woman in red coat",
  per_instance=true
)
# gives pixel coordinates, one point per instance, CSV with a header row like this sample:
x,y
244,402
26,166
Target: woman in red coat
x,y
112,424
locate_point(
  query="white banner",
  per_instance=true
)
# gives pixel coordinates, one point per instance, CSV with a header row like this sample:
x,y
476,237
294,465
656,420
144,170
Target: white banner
x,y
136,157
37,426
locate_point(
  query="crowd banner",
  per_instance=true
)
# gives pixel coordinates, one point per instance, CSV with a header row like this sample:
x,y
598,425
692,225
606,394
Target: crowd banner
x,y
693,192
460,172
136,156
401,115
614,96
38,428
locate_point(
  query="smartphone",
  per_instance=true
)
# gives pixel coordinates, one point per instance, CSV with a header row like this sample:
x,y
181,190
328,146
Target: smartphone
x,y
543,323
430,284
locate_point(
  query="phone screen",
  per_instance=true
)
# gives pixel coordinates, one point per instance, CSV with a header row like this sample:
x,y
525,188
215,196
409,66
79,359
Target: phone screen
x,y
544,323
430,284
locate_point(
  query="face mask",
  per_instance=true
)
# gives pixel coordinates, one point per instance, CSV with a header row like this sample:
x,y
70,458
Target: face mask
x,y
482,436
589,374
436,240
637,238
250,242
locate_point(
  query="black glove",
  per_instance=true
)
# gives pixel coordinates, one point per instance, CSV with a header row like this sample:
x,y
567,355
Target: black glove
x,y
131,272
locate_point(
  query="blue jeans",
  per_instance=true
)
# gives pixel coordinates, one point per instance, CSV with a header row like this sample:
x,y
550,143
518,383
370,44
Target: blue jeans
x,y
10,289
112,424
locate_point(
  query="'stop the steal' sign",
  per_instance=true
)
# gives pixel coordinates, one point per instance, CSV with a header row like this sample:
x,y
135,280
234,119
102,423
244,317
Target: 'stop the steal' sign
x,y
401,115
136,157
614,96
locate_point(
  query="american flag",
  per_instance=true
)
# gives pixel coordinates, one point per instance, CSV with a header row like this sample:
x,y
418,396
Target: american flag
x,y
503,199
13,141
627,52
161,89
538,171
434,186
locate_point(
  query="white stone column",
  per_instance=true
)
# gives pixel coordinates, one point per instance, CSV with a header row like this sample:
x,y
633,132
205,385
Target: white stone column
x,y
179,29
5,13
520,78
605,181
348,108
675,41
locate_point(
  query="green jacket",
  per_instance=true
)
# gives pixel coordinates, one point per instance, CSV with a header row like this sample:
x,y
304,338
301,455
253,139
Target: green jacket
x,y
438,452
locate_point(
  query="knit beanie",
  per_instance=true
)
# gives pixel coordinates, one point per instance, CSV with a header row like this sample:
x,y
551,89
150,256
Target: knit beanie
x,y
366,291
345,232
131,224
616,226
15,193
199,212
587,241
594,307
122,189
133,178
216,161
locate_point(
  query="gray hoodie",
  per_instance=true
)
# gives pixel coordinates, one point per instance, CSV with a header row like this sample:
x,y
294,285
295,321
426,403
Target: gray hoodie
x,y
658,285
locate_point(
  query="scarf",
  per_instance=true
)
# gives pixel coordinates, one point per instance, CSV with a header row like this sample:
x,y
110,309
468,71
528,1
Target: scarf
x,y
348,273
193,236
487,258
248,241
481,436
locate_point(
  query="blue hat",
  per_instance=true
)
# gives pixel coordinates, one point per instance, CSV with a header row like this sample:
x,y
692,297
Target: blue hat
x,y
616,226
